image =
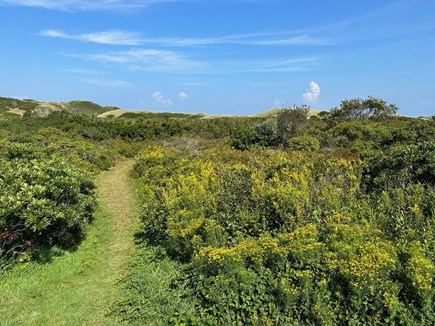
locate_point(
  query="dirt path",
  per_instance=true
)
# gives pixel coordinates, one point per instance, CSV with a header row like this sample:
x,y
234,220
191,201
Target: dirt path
x,y
77,288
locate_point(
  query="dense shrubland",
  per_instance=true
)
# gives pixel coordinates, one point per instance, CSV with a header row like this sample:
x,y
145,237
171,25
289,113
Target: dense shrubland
x,y
48,164
353,124
155,127
281,237
259,221
332,223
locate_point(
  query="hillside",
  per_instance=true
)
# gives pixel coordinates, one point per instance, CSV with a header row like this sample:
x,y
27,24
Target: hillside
x,y
10,107
148,114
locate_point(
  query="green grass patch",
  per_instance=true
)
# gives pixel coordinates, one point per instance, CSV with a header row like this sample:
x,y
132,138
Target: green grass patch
x,y
153,294
70,288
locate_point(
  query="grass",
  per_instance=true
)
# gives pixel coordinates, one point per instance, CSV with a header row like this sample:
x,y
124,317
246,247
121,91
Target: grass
x,y
78,287
153,294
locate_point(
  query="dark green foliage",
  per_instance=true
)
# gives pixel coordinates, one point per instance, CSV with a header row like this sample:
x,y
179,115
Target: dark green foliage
x,y
290,122
349,132
400,166
244,137
98,129
45,200
266,133
358,109
273,131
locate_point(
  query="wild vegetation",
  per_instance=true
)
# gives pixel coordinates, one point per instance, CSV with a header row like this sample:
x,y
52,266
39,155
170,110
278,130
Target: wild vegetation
x,y
45,200
270,220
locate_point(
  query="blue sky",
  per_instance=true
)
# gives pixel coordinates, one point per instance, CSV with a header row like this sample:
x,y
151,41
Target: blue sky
x,y
219,56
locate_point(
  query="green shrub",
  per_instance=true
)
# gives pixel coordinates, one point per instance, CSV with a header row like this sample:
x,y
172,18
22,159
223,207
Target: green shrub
x,y
303,143
358,109
291,121
400,166
45,201
244,137
266,133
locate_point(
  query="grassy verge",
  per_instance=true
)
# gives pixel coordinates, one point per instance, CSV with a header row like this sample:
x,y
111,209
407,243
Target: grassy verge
x,y
77,288
153,294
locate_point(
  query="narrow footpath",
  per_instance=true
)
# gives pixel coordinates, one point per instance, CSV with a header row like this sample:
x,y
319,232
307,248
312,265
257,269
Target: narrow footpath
x,y
78,287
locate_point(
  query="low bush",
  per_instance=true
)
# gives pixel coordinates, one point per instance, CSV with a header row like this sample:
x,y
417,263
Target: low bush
x,y
45,201
303,143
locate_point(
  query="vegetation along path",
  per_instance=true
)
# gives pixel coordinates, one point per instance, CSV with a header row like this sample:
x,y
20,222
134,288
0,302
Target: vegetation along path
x,y
77,288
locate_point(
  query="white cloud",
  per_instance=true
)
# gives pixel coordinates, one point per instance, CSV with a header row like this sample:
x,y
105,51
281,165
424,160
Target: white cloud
x,y
54,33
183,95
312,95
158,96
113,37
86,5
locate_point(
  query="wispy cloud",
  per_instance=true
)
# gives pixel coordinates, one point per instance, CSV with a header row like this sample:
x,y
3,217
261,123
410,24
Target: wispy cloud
x,y
108,83
114,37
84,5
162,61
270,65
312,95
290,38
158,96
121,37
84,71
150,60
